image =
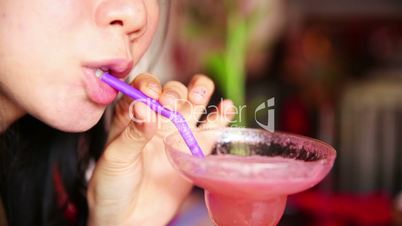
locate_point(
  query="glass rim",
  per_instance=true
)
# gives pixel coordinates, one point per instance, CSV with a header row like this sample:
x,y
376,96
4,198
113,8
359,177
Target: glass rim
x,y
241,171
331,151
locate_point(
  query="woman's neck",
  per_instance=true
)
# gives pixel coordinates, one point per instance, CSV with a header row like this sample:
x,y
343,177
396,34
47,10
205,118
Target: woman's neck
x,y
9,112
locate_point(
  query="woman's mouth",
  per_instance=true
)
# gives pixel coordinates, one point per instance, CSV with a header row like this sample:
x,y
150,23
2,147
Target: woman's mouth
x,y
98,91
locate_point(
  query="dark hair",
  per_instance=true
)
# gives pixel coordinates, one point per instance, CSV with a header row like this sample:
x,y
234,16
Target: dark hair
x,y
31,155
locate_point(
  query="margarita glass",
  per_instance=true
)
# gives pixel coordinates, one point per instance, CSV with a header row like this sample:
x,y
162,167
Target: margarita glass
x,y
248,173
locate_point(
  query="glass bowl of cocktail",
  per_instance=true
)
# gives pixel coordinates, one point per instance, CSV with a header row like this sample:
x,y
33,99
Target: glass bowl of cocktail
x,y
247,174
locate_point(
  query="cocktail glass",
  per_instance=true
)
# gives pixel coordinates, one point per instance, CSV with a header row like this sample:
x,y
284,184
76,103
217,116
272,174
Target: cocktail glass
x,y
248,173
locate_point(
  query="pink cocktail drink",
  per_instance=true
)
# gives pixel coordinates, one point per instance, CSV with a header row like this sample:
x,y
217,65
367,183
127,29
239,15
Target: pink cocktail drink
x,y
249,172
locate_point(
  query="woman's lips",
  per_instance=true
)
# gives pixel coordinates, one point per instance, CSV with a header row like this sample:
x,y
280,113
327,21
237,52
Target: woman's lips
x,y
98,91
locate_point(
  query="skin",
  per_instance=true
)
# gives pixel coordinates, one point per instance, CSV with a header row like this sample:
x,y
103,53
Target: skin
x,y
44,48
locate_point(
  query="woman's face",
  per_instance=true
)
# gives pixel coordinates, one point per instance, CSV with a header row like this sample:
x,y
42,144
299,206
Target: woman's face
x,y
49,51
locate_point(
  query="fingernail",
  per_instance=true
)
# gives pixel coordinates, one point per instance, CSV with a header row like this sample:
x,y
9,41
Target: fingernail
x,y
154,87
199,93
172,95
171,99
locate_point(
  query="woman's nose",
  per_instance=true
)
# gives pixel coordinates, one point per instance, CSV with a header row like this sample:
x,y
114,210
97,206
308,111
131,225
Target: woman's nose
x,y
128,15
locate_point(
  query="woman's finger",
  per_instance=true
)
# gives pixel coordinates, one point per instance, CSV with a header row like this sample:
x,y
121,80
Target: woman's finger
x,y
173,95
200,89
132,139
149,84
146,83
199,93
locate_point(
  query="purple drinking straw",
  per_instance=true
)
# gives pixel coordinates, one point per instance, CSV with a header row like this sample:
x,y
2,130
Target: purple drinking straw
x,y
177,119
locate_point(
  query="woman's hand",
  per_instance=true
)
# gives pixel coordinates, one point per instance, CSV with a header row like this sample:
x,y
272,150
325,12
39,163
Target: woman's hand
x,y
133,182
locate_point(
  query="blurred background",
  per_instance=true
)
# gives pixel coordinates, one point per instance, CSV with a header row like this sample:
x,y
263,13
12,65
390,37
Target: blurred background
x,y
334,68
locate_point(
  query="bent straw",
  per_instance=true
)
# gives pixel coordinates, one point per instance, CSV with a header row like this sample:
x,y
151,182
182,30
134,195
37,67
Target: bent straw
x,y
177,119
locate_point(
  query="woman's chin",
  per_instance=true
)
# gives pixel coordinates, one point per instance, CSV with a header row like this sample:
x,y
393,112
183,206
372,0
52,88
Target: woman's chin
x,y
75,122
79,127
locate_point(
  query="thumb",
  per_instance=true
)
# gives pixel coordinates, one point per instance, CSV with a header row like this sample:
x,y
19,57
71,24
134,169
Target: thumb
x,y
126,147
118,173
